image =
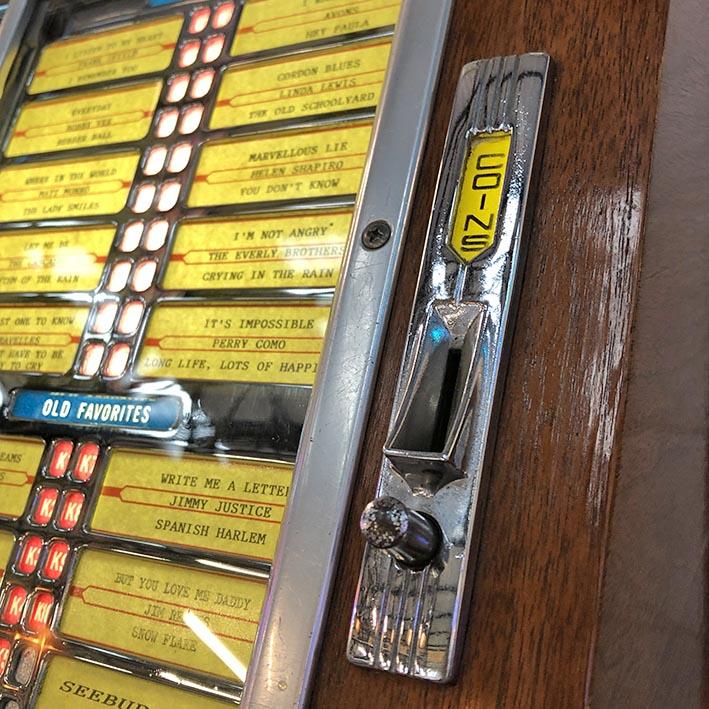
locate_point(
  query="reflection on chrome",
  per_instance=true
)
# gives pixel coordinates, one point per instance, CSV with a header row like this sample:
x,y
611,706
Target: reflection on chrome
x,y
202,631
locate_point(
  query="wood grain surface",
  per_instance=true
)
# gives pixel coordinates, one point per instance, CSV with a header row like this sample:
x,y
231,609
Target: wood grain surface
x,y
652,643
535,607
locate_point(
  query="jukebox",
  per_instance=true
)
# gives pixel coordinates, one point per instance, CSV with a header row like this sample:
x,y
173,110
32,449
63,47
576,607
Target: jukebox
x,y
212,212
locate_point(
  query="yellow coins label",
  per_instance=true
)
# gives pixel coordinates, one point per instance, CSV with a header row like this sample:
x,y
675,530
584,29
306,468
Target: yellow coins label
x,y
40,338
323,162
139,48
67,188
479,196
19,462
277,251
190,618
230,505
7,541
265,24
337,80
275,343
53,260
82,120
69,682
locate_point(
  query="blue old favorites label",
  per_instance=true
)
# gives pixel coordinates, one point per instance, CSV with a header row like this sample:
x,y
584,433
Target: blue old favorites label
x,y
143,413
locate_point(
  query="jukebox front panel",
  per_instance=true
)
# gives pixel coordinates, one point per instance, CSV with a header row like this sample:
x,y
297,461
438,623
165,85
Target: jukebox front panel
x,y
176,196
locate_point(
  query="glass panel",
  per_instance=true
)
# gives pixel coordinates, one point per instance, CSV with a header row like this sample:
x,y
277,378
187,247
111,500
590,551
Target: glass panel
x,y
174,221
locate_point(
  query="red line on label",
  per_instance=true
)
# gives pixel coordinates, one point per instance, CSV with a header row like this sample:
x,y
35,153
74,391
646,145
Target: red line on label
x,y
264,260
288,178
225,349
42,126
324,92
34,193
170,491
24,483
113,533
335,156
226,515
152,599
42,266
320,18
301,14
106,62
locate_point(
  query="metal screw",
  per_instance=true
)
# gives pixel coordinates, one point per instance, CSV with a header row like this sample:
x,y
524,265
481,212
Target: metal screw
x,y
376,234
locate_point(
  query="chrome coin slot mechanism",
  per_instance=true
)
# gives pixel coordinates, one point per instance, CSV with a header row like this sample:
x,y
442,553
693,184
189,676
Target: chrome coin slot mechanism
x,y
421,530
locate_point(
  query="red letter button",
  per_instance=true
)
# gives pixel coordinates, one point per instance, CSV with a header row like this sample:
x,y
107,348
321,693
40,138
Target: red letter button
x,y
29,557
71,509
56,560
61,454
44,507
5,646
40,612
85,462
14,601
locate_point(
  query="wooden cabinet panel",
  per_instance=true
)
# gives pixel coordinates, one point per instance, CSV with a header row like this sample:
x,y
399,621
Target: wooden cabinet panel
x,y
534,614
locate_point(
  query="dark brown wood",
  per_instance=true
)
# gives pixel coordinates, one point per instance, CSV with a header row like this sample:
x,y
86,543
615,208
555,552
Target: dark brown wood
x,y
534,613
652,649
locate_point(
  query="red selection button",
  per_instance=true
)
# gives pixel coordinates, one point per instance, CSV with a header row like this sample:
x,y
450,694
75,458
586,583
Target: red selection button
x,y
29,556
5,648
44,506
61,455
85,462
40,613
14,602
71,510
56,560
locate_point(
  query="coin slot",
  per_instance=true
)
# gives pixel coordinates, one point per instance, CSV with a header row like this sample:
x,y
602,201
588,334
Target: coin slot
x,y
445,402
441,386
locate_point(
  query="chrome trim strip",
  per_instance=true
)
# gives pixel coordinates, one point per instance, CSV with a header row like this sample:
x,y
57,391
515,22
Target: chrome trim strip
x,y
289,637
14,23
408,619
